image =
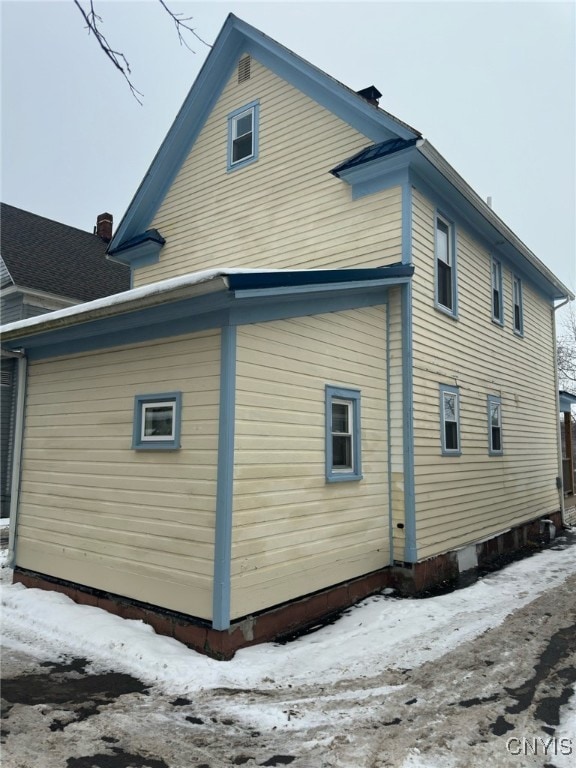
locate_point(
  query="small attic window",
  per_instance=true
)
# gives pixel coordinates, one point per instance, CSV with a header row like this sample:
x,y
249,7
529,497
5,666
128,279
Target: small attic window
x,y
244,69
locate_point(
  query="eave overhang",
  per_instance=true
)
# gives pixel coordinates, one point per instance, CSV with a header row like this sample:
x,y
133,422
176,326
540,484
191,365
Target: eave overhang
x,y
141,250
200,301
420,165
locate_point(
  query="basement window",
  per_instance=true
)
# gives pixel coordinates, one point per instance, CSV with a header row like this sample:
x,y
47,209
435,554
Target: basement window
x,y
343,455
157,421
243,136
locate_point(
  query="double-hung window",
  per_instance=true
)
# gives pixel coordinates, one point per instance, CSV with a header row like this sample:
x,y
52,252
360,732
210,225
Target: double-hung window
x,y
243,136
157,421
445,266
517,303
343,455
494,426
497,299
450,420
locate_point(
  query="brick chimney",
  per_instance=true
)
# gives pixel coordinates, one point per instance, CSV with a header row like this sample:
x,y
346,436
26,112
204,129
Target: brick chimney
x,y
103,227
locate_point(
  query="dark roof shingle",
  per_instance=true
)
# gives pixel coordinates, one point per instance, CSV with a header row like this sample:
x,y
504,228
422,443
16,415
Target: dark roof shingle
x,y
44,255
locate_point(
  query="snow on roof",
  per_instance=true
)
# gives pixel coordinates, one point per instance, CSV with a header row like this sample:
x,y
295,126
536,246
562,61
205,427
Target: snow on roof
x,y
133,295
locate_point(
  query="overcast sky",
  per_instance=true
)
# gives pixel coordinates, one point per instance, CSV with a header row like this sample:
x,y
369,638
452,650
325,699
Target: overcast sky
x,y
491,85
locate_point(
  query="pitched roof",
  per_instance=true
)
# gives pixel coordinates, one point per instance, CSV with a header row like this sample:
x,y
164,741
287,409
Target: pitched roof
x,y
235,38
44,255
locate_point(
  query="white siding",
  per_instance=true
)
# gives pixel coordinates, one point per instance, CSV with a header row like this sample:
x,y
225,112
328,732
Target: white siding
x,y
462,499
294,533
94,511
283,211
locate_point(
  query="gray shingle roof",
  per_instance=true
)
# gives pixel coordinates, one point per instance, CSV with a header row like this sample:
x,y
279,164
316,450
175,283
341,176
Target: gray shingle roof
x,y
44,255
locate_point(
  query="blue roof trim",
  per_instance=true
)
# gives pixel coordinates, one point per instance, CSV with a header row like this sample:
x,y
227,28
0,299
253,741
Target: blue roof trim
x,y
383,149
150,235
264,280
237,37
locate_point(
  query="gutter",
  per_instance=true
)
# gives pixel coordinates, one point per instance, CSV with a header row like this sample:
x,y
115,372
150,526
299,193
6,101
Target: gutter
x,y
436,159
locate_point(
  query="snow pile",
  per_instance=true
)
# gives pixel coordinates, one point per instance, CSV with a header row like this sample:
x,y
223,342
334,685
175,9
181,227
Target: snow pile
x,y
381,633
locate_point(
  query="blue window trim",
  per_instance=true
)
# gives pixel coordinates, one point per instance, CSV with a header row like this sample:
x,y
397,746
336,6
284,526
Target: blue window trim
x,y
518,328
495,319
494,400
253,106
447,388
355,473
173,444
452,246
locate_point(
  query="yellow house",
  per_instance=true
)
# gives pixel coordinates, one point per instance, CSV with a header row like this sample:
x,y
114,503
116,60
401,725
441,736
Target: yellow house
x,y
334,372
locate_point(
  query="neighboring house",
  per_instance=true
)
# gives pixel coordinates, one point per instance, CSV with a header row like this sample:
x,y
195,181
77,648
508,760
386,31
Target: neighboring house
x,y
335,371
44,266
568,441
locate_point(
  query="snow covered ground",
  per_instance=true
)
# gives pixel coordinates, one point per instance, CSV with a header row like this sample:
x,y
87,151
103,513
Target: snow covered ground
x,y
331,694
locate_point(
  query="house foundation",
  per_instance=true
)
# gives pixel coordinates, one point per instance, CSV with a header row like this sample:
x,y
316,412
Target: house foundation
x,y
281,621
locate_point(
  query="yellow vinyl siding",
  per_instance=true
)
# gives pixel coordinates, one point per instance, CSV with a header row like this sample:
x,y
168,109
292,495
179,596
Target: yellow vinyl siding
x,y
470,497
284,210
94,511
293,532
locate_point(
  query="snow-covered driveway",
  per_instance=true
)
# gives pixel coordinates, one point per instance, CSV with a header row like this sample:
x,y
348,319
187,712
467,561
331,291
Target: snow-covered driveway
x,y
480,676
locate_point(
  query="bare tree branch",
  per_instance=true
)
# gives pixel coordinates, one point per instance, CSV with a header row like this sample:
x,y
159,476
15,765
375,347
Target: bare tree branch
x,y
566,351
179,23
118,59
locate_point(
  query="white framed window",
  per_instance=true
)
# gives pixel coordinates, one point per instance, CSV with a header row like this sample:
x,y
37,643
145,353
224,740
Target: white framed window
x,y
450,420
343,454
495,447
445,266
497,297
517,304
243,136
157,421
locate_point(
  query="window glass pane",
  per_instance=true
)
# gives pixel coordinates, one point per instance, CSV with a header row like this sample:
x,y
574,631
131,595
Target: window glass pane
x,y
495,414
444,285
242,148
451,435
340,417
342,451
496,439
496,303
243,124
442,244
449,407
158,421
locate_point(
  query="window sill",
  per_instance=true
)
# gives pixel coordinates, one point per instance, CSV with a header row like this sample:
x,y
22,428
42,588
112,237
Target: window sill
x,y
345,477
445,311
155,447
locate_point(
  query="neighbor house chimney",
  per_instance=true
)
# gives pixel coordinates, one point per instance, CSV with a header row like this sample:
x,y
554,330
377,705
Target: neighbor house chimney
x,y
371,94
103,226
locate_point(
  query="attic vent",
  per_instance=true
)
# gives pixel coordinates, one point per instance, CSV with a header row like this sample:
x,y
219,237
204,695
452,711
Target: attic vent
x,y
6,378
244,69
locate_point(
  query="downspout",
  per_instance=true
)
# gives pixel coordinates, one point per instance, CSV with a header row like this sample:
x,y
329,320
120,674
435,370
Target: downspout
x,y
410,542
221,597
17,455
559,481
